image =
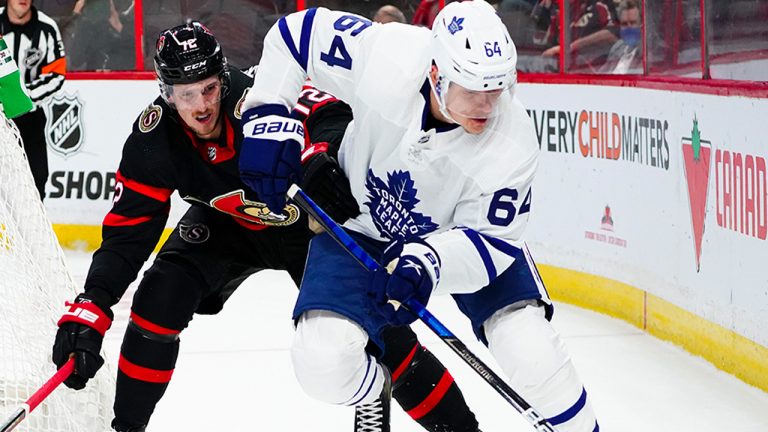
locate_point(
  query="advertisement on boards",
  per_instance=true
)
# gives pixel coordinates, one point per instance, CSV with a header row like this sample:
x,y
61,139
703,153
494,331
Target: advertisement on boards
x,y
664,191
87,124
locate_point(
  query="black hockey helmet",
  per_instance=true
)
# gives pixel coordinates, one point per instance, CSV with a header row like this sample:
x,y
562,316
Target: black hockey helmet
x,y
187,54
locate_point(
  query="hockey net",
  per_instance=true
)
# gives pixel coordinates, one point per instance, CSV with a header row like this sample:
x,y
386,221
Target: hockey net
x,y
34,284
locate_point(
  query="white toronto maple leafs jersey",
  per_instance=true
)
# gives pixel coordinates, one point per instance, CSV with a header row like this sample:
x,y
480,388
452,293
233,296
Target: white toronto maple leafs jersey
x,y
468,195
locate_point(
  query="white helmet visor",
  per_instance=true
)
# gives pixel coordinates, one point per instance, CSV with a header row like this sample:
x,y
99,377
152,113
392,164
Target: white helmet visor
x,y
472,104
196,95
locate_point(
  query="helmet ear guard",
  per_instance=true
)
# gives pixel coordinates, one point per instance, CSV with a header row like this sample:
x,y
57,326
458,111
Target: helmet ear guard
x,y
187,54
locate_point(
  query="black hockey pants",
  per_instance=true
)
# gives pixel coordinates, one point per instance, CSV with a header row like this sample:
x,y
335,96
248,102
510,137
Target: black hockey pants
x,y
32,128
201,264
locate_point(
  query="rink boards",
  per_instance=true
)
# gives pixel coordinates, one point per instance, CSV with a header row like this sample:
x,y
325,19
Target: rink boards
x,y
649,205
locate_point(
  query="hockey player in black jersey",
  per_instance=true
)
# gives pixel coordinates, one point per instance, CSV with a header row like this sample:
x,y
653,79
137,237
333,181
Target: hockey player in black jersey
x,y
188,140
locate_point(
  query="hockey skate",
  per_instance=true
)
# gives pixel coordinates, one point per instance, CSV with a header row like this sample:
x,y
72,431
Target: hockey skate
x,y
374,417
120,427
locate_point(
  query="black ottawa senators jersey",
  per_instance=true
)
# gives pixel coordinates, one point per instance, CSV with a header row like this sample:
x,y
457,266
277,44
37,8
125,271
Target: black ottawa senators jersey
x,y
161,156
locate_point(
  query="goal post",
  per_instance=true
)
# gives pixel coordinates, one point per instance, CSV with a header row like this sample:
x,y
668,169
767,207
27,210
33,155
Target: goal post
x,y
34,284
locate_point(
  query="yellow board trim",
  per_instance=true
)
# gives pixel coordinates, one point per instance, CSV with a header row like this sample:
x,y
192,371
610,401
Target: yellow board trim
x,y
726,349
88,237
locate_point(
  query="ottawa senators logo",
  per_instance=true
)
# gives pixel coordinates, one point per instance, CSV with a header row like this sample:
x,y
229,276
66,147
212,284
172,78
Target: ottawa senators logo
x,y
235,204
150,118
194,233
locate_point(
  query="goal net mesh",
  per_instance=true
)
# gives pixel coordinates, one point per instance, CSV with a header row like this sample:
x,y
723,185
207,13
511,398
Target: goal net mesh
x,y
34,284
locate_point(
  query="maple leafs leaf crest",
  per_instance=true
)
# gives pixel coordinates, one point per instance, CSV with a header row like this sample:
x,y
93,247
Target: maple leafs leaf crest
x,y
382,202
402,188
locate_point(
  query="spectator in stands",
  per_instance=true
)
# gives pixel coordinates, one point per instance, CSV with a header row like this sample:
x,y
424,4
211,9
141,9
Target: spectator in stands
x,y
427,10
39,51
625,55
389,13
425,13
516,5
587,40
103,35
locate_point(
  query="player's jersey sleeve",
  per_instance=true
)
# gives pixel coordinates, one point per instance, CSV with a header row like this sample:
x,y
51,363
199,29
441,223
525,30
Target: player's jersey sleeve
x,y
490,221
326,46
485,240
133,226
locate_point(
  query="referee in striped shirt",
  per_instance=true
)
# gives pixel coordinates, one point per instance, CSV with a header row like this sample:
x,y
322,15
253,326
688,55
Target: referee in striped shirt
x,y
35,41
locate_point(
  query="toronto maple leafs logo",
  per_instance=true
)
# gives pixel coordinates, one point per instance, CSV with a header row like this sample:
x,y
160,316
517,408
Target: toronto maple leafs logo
x,y
455,25
391,205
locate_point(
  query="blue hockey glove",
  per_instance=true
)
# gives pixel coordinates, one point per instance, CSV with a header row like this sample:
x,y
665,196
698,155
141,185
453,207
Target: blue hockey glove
x,y
270,157
413,271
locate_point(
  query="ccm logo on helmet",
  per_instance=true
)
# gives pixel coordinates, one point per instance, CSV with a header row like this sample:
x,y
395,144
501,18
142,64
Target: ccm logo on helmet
x,y
195,66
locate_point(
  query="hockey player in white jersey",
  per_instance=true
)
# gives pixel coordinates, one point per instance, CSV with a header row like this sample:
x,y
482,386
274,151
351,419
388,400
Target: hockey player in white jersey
x,y
440,157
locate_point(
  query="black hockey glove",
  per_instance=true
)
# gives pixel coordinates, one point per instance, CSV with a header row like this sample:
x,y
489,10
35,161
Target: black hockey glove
x,y
81,332
326,183
325,119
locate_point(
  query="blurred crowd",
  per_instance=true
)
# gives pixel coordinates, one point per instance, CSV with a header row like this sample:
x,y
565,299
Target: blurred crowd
x,y
602,36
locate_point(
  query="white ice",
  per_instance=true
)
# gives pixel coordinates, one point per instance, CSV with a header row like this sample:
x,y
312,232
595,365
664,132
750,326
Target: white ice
x,y
234,373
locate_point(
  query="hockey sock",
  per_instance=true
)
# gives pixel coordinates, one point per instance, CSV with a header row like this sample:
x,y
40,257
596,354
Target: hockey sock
x,y
423,386
147,360
375,416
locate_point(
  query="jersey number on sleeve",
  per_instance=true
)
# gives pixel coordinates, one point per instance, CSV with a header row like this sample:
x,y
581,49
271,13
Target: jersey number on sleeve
x,y
337,54
503,211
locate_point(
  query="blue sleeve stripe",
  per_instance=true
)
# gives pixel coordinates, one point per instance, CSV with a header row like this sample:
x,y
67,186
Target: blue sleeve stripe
x,y
476,240
302,54
504,247
306,32
286,34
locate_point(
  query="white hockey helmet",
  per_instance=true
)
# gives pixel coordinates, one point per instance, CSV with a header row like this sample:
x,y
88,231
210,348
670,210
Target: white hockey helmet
x,y
471,48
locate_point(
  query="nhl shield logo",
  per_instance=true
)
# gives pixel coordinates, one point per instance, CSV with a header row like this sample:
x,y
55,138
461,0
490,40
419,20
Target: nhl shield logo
x,y
64,125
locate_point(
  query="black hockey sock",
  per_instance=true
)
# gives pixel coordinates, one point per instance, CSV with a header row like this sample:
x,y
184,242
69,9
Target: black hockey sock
x,y
146,364
423,386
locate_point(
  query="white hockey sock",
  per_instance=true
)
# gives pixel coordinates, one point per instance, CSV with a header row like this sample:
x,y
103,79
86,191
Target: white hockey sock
x,y
534,358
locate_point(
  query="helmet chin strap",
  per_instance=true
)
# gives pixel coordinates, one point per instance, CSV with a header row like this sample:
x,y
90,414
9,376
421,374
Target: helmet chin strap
x,y
444,83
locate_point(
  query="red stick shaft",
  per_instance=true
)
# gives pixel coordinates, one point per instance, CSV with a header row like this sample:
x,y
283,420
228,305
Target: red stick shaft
x,y
51,384
39,396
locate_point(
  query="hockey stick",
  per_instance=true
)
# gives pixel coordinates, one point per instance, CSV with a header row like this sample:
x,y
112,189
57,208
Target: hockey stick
x,y
342,238
39,396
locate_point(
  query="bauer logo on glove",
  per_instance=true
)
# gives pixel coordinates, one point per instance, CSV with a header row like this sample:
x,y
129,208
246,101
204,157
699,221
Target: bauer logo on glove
x,y
270,158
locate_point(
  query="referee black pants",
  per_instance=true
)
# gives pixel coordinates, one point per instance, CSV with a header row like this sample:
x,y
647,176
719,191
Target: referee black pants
x,y
32,128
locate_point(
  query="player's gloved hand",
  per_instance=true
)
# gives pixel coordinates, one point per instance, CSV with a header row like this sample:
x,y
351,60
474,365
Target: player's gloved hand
x,y
81,332
326,183
412,271
271,153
